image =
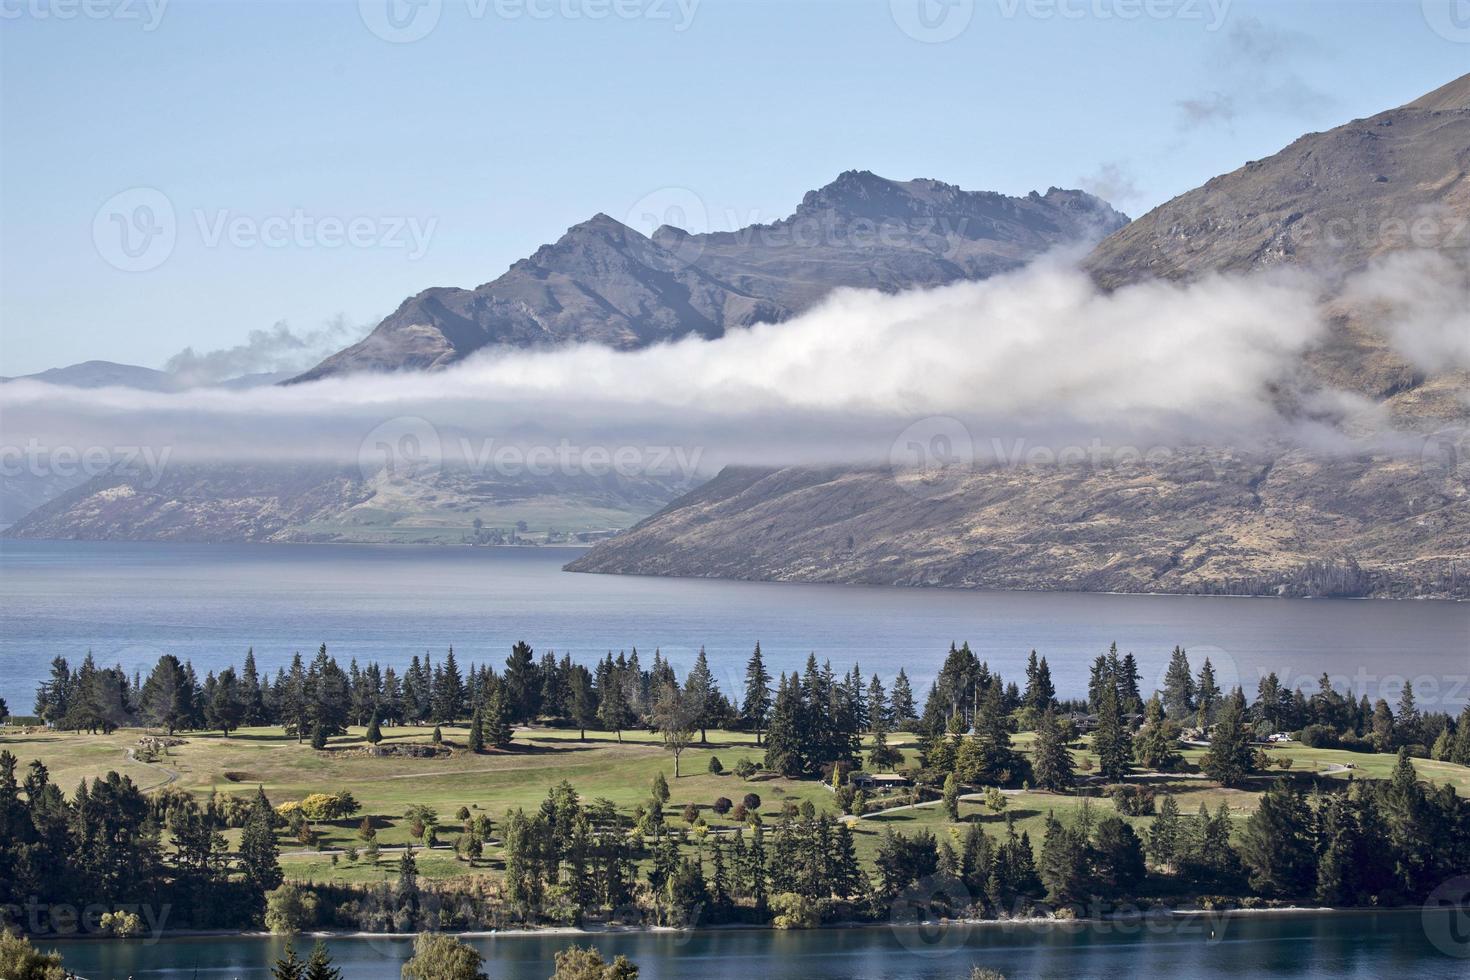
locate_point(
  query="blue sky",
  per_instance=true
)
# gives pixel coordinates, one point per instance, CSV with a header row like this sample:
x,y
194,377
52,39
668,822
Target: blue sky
x,y
276,131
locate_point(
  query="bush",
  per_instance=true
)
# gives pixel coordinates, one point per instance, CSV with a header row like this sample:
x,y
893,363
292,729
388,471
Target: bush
x,y
1354,743
752,801
291,908
1134,801
722,805
745,769
739,814
691,813
437,956
716,768
121,924
1318,737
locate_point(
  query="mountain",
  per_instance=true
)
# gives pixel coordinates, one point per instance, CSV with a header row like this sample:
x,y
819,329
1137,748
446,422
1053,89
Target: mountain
x,y
109,374
1287,521
338,504
1330,202
603,282
105,374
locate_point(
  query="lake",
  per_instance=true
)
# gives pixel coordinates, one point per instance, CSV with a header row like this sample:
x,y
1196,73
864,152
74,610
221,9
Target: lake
x,y
128,602
1308,947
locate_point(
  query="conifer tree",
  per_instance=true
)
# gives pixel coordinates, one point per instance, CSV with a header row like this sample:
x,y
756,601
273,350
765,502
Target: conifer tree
x,y
1230,758
477,731
756,707
1111,741
319,966
1052,767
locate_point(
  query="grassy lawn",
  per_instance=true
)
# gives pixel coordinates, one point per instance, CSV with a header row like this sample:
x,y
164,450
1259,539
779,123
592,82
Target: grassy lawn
x,y
600,766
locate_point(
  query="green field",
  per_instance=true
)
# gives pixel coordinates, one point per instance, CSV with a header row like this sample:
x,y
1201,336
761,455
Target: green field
x,y
601,766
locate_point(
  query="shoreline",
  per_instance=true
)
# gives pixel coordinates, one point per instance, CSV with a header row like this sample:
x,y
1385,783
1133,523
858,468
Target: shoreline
x,y
1038,923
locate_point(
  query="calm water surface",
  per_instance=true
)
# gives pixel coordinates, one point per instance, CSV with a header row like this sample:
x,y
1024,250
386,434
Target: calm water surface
x,y
1363,945
128,602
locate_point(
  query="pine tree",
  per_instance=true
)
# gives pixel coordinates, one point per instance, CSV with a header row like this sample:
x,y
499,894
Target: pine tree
x,y
288,966
1207,695
1051,765
1276,845
1156,744
582,701
477,730
756,707
784,737
1230,758
1164,835
1111,741
952,798
496,722
374,732
258,851
612,705
1063,867
319,967
1179,689
902,700
701,695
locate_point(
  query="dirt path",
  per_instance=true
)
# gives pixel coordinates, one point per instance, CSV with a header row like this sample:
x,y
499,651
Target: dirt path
x,y
169,776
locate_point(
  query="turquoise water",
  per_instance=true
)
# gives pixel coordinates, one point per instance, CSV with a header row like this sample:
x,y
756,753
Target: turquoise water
x,y
129,602
1309,947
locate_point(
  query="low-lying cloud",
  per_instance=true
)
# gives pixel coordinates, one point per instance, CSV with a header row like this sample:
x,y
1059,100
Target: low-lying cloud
x,y
279,349
1040,354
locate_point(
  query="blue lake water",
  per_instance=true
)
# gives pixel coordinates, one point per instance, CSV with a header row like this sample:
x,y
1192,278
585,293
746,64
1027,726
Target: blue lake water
x,y
129,602
1302,947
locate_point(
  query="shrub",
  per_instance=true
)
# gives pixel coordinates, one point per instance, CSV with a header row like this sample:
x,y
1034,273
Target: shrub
x,y
752,801
291,908
722,805
121,924
463,813
691,813
1354,743
1134,801
739,813
745,769
1318,737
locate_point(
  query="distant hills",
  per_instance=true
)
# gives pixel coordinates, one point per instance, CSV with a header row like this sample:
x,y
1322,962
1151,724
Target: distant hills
x,y
1211,520
606,283
109,374
602,282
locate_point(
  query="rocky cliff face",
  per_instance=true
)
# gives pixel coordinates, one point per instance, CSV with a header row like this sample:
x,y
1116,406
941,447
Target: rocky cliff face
x,y
1285,521
605,283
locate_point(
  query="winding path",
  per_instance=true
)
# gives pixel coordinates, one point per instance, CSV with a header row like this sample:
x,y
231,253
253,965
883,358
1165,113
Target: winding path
x,y
170,777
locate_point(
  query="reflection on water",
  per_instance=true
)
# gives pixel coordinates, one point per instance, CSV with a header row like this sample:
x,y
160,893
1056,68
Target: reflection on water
x,y
1307,947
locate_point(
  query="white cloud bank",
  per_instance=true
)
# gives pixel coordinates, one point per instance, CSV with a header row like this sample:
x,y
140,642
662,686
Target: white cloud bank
x,y
1040,354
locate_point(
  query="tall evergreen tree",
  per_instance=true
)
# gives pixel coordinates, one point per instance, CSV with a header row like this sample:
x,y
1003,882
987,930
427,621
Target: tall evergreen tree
x,y
1052,767
756,707
1229,760
1111,741
1179,689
